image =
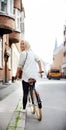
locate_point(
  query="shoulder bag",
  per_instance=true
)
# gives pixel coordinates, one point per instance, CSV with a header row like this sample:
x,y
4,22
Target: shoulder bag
x,y
19,70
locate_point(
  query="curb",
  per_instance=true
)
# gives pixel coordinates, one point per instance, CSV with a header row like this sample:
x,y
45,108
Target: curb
x,y
17,121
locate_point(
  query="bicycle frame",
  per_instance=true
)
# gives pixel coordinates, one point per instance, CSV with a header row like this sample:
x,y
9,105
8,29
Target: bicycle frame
x,y
35,102
38,98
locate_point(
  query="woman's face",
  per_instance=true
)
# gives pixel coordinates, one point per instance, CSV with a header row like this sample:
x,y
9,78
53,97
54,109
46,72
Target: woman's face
x,y
22,46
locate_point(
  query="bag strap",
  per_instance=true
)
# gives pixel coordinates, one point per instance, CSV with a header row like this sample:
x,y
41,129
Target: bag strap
x,y
25,60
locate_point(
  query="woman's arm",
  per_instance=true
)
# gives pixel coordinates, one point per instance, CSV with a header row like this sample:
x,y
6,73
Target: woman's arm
x,y
40,68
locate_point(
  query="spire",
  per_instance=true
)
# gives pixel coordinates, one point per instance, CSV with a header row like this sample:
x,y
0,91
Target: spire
x,y
56,44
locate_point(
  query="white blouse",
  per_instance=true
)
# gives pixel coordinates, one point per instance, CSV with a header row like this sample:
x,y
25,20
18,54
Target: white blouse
x,y
30,69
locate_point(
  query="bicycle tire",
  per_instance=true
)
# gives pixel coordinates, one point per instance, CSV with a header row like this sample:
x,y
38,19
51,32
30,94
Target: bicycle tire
x,y
38,110
31,105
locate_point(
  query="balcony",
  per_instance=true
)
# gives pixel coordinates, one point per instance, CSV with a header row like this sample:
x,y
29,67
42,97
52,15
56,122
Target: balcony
x,y
14,37
64,48
6,24
18,4
64,59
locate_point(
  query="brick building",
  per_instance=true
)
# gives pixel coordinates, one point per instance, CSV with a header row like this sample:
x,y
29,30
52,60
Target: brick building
x,y
58,57
64,52
12,16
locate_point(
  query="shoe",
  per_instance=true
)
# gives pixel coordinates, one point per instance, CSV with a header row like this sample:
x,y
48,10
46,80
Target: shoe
x,y
33,110
24,110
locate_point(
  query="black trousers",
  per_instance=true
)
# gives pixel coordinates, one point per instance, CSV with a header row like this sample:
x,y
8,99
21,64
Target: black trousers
x,y
26,86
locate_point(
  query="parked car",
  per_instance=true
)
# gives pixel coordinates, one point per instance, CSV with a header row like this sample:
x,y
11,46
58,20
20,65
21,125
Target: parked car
x,y
54,73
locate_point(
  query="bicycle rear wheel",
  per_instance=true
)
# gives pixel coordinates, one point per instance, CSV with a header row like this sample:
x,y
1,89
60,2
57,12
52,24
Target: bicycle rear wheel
x,y
38,109
30,102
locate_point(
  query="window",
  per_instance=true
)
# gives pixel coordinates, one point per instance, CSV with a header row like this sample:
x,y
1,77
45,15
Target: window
x,y
1,53
9,62
17,19
55,71
3,5
22,27
10,6
6,6
9,59
22,22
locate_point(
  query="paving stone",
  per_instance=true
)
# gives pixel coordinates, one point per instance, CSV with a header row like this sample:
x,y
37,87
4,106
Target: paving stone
x,y
20,128
21,123
15,114
11,128
12,110
12,122
23,115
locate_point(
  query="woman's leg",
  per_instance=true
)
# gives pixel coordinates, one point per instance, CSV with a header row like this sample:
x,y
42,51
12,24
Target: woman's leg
x,y
31,91
25,86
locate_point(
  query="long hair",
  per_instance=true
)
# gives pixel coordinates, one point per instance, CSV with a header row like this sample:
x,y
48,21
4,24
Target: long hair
x,y
27,45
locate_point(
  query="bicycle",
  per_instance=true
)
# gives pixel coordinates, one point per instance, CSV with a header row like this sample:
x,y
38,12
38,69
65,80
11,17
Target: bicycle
x,y
34,100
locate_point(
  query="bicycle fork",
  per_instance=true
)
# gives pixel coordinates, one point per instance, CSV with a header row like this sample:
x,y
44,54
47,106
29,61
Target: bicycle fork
x,y
38,99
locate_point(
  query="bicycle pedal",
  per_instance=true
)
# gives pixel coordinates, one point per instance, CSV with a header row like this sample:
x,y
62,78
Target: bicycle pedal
x,y
33,112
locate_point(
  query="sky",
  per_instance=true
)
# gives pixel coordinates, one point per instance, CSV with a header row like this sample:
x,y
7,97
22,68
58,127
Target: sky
x,y
44,23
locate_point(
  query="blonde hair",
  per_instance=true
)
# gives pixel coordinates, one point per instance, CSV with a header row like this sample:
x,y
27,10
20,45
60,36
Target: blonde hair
x,y
27,45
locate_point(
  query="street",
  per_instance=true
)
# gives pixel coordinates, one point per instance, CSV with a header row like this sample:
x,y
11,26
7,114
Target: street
x,y
53,95
7,89
10,107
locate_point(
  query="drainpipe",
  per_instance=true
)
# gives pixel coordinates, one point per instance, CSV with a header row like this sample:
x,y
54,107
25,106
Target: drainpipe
x,y
6,56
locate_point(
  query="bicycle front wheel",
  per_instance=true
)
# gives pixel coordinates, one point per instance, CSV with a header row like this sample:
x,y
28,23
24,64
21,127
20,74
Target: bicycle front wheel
x,y
38,110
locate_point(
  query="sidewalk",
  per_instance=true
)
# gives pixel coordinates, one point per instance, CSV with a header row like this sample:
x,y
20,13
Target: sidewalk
x,y
11,115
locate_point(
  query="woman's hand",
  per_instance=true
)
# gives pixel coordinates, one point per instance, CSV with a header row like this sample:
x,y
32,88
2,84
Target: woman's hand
x,y
41,73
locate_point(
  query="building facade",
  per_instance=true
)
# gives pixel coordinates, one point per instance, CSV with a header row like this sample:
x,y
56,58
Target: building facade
x,y
58,57
64,52
12,16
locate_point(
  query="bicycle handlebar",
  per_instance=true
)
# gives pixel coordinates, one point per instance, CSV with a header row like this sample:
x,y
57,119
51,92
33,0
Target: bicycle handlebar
x,y
41,72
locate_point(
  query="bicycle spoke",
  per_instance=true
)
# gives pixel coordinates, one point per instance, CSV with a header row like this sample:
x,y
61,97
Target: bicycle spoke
x,y
34,105
37,109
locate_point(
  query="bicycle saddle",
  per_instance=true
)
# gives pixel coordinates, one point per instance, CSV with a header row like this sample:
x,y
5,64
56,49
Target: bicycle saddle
x,y
31,80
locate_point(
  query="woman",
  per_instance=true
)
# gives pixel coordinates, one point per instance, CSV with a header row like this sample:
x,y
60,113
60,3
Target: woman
x,y
27,61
